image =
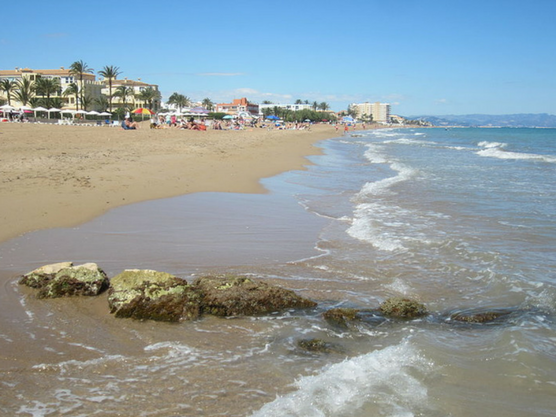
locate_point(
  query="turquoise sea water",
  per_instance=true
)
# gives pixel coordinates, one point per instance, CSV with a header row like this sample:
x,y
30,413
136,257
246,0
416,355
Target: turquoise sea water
x,y
460,219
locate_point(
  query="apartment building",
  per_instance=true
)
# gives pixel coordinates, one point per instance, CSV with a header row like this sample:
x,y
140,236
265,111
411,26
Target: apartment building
x,y
380,112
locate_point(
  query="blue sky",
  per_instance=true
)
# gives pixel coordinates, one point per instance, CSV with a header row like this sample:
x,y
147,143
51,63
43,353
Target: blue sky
x,y
431,57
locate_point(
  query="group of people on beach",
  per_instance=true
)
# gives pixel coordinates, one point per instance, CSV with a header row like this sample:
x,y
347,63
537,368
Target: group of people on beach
x,y
171,121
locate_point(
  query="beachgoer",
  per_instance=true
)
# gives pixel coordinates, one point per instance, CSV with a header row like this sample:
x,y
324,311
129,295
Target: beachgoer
x,y
129,124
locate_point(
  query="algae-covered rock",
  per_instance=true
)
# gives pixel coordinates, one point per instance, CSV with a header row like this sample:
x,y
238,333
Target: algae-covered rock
x,y
64,279
243,296
318,346
152,295
480,317
341,316
40,276
402,308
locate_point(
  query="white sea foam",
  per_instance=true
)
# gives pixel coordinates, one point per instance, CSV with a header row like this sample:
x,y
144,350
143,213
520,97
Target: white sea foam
x,y
383,186
486,144
493,152
496,150
409,141
382,382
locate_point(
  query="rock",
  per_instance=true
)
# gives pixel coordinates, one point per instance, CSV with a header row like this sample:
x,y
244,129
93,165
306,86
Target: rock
x,y
40,276
479,317
341,316
402,308
243,296
152,295
64,279
318,346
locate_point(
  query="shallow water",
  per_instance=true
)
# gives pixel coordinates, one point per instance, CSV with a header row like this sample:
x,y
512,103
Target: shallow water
x,y
458,219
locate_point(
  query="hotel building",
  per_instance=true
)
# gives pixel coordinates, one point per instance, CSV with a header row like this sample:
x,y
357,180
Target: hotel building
x,y
92,88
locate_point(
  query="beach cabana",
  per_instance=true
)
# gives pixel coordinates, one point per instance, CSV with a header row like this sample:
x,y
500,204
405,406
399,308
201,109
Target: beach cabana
x,y
53,110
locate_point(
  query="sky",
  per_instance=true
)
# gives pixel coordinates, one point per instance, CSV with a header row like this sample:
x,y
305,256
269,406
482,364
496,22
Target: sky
x,y
424,57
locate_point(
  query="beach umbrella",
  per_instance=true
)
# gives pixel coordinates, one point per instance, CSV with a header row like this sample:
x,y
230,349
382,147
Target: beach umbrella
x,y
347,119
6,108
105,113
228,117
53,110
36,109
272,117
142,110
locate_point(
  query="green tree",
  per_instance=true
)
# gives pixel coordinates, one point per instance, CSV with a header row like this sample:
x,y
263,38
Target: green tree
x,y
208,104
352,111
148,96
9,87
24,92
45,87
324,106
72,89
78,68
179,100
102,102
315,105
123,92
110,73
298,101
86,101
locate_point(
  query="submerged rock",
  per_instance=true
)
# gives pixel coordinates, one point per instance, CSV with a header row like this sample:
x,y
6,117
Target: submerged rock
x,y
64,279
243,296
480,317
152,295
341,316
318,346
402,308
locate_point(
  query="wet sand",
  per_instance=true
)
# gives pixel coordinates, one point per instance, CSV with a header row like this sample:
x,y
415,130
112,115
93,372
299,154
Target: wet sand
x,y
60,176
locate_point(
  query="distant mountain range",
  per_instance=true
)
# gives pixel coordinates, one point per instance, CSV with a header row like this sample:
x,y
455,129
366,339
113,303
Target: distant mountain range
x,y
505,120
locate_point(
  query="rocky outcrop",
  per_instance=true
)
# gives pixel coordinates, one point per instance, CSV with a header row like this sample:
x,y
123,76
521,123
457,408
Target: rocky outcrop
x,y
243,296
404,308
147,294
64,279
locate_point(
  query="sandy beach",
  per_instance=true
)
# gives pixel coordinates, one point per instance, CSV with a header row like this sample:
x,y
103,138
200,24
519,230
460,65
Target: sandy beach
x,y
59,176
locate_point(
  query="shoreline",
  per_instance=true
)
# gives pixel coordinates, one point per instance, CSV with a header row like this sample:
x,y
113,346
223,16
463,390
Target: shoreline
x,y
61,176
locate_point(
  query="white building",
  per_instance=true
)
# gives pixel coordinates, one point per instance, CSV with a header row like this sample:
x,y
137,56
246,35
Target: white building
x,y
293,107
379,112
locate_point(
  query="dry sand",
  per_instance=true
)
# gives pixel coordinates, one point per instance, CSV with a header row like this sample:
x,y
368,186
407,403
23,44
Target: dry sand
x,y
60,176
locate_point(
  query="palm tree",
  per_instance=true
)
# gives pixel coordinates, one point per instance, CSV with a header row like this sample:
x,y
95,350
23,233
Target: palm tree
x,y
208,104
148,96
8,87
24,92
179,100
72,89
123,92
110,73
79,68
315,105
324,106
46,87
86,101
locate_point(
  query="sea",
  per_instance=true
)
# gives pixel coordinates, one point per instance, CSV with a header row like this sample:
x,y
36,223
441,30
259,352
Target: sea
x,y
459,219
